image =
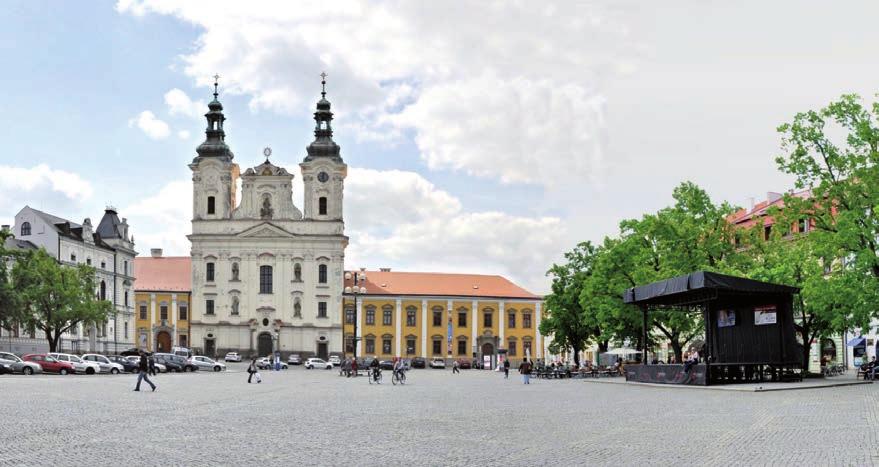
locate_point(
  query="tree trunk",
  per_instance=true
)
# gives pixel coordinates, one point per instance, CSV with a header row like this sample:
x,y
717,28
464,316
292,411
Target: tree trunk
x,y
576,356
602,346
678,350
807,350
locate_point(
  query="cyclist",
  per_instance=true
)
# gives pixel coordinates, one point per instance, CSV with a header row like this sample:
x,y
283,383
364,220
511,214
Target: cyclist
x,y
398,367
373,366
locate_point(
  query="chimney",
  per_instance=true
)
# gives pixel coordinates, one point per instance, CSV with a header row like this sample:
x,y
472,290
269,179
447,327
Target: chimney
x,y
385,269
156,252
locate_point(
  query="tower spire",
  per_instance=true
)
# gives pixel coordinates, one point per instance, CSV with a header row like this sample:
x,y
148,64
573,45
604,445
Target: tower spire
x,y
323,144
216,79
214,144
323,85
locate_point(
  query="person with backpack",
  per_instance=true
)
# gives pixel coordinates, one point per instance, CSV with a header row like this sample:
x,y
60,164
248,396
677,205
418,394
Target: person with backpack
x,y
525,369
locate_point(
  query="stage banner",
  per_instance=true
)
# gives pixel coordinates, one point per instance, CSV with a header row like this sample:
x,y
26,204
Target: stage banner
x,y
726,318
764,315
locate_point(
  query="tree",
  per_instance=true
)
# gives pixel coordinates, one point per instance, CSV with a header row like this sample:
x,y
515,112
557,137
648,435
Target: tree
x,y
9,299
56,298
565,320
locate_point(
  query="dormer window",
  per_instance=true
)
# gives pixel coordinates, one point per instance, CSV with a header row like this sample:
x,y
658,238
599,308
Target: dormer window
x,y
211,205
322,206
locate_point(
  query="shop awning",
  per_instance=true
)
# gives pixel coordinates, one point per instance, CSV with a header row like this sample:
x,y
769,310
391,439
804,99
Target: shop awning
x,y
856,341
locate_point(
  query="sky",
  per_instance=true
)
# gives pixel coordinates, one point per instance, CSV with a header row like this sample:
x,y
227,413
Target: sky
x,y
482,137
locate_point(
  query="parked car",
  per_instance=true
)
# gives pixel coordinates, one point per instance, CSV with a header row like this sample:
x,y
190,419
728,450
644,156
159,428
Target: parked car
x,y
335,360
266,364
386,365
182,352
79,366
419,362
233,357
437,362
6,368
314,362
106,365
18,365
464,363
207,364
136,360
49,364
127,365
176,363
294,359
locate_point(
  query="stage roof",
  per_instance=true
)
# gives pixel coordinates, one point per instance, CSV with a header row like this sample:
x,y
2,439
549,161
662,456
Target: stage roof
x,y
700,286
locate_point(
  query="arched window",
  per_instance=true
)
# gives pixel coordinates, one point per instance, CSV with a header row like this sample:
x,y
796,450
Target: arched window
x,y
211,205
103,293
322,206
322,274
25,229
265,279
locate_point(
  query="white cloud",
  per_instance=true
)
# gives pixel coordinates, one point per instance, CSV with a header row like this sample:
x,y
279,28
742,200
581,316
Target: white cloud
x,y
180,104
397,66
41,187
183,134
150,125
163,219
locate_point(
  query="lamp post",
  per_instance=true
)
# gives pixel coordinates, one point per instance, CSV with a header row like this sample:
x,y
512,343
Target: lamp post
x,y
356,288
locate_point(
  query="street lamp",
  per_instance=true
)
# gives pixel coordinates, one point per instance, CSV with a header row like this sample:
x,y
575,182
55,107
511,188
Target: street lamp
x,y
356,288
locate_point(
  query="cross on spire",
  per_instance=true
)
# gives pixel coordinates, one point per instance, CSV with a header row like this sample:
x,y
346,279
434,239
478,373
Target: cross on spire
x,y
216,78
323,84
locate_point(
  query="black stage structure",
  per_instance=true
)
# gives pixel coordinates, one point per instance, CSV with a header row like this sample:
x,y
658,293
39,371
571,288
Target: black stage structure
x,y
749,329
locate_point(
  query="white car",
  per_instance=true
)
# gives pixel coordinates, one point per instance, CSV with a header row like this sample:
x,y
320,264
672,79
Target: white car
x,y
106,365
79,366
233,357
437,362
206,363
312,363
335,360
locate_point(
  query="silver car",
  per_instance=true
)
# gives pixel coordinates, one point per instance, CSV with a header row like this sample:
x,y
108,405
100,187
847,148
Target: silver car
x,y
18,365
106,365
206,364
79,365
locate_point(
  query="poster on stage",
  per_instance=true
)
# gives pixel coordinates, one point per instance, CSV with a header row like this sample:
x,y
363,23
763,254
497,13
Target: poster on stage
x,y
726,318
765,315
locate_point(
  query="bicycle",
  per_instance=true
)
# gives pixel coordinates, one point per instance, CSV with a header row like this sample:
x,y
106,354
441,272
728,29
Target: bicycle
x,y
398,377
375,375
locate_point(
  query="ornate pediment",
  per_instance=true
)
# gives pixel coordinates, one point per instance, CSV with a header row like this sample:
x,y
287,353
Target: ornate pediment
x,y
265,230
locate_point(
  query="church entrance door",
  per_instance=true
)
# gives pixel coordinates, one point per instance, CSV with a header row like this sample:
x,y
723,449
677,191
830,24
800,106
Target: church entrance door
x,y
322,351
264,344
163,342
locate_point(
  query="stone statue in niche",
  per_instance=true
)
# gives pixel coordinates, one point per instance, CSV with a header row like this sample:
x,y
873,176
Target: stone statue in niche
x,y
234,271
234,306
297,308
297,272
266,211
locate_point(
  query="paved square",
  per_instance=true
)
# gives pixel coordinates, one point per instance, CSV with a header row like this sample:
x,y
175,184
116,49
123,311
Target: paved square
x,y
301,417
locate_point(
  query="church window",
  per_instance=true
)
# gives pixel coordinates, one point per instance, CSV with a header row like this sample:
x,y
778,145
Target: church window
x,y
437,316
322,274
103,265
209,307
370,315
103,293
209,272
88,261
126,331
25,229
462,319
410,316
322,206
265,279
321,309
387,318
163,312
73,257
526,320
125,267
211,205
126,299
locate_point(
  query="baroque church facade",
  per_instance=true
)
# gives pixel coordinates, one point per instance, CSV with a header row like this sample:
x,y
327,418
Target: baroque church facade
x,y
266,275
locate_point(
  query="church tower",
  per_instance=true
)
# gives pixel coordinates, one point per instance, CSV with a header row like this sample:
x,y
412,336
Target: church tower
x,y
214,175
323,171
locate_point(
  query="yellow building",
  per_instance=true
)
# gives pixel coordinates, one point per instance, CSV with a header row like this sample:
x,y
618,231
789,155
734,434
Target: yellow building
x,y
413,314
163,297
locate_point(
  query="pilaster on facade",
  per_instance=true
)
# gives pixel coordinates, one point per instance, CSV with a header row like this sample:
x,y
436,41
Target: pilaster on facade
x,y
502,316
424,328
398,327
537,337
474,324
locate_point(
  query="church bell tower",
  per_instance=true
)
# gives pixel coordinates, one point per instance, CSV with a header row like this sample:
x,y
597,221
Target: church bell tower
x,y
323,170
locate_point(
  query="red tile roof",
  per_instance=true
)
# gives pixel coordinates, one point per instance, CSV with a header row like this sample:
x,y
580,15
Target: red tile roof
x,y
169,273
442,284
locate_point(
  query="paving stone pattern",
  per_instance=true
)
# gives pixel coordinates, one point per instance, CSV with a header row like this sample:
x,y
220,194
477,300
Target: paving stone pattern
x,y
301,417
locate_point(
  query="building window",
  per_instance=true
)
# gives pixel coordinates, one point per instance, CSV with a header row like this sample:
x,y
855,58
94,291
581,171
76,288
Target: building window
x,y
103,265
183,341
387,316
526,320
211,205
103,293
437,317
767,232
511,348
803,225
349,315
265,279
410,316
462,319
72,257
370,315
462,347
526,347
487,319
209,272
163,312
209,307
183,312
322,274
143,312
126,298
322,206
511,322
321,309
386,346
370,345
88,261
126,331
125,267
410,346
25,229
349,344
437,347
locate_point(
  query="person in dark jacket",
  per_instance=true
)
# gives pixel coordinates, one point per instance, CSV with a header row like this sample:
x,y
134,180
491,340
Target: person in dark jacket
x,y
525,369
143,369
253,369
151,365
506,369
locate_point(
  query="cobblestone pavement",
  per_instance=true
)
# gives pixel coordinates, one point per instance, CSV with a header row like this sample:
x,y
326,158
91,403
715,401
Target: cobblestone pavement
x,y
301,417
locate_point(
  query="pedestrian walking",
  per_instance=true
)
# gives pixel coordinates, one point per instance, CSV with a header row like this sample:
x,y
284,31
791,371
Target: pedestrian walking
x,y
253,370
151,364
277,361
506,369
455,367
143,369
525,369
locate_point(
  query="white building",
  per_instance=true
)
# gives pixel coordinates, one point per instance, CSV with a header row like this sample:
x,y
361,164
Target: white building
x,y
265,275
110,250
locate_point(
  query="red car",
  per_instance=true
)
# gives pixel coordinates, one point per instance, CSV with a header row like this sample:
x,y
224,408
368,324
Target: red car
x,y
49,364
